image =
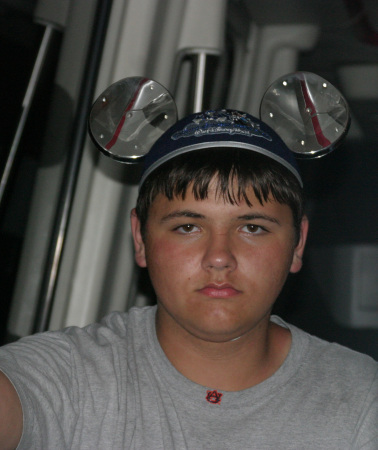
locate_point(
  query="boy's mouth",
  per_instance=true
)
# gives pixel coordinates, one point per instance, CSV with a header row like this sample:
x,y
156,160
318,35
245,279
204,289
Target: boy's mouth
x,y
224,290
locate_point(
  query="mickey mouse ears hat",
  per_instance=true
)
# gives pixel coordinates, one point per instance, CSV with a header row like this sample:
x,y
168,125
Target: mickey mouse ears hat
x,y
135,119
215,129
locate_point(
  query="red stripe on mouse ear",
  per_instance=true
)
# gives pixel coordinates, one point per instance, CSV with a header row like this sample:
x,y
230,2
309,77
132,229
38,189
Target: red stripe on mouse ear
x,y
323,141
118,130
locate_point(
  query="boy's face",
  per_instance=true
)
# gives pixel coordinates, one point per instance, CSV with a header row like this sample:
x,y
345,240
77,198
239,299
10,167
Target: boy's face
x,y
217,268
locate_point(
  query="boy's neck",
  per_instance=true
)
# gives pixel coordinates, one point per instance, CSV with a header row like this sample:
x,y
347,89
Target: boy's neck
x,y
230,366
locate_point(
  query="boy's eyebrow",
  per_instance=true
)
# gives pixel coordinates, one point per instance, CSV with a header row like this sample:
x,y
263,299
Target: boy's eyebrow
x,y
255,216
182,213
195,215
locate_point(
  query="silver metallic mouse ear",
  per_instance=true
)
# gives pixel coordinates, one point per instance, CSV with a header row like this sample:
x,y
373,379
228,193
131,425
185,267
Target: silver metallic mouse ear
x,y
129,116
309,114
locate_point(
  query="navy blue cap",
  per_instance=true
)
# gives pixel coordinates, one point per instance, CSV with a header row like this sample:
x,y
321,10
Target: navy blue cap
x,y
223,128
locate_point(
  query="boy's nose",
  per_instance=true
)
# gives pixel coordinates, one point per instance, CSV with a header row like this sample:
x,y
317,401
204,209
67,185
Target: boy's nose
x,y
219,254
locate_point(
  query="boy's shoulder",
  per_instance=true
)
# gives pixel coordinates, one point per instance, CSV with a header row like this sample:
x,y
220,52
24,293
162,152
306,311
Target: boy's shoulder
x,y
332,362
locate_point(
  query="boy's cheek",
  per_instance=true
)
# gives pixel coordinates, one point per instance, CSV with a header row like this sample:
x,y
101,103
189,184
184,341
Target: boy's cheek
x,y
161,252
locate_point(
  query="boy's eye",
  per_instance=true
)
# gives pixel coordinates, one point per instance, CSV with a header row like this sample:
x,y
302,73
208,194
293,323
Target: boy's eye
x,y
186,228
253,229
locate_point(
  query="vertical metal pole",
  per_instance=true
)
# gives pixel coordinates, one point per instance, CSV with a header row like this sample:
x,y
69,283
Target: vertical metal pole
x,y
72,167
199,62
199,77
33,82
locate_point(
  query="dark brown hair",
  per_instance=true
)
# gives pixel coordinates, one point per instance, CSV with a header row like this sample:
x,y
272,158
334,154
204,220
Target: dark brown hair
x,y
235,171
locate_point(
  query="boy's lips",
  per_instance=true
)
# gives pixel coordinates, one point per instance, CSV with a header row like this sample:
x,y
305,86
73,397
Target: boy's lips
x,y
219,290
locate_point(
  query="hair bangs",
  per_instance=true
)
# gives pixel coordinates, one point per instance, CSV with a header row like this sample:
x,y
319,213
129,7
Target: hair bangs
x,y
231,172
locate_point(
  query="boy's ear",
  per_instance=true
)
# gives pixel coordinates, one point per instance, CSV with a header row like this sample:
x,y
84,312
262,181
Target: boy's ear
x,y
139,247
296,264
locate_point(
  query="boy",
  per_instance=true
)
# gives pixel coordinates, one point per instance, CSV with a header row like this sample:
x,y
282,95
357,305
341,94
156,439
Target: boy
x,y
219,224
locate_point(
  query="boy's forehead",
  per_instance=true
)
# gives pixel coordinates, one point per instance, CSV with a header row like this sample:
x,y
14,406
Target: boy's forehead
x,y
216,209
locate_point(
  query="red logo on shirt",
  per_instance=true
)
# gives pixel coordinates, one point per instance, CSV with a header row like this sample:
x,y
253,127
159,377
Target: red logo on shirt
x,y
214,397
